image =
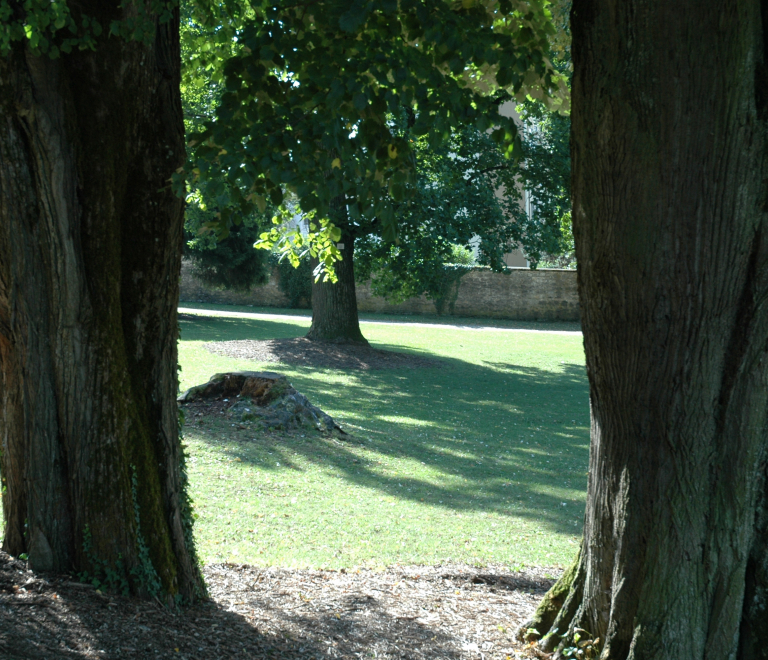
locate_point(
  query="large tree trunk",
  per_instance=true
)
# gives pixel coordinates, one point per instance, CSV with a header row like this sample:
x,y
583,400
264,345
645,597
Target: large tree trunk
x,y
669,110
334,304
90,253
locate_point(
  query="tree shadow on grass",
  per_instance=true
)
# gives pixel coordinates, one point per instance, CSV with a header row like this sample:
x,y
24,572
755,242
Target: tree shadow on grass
x,y
525,455
497,438
222,328
501,437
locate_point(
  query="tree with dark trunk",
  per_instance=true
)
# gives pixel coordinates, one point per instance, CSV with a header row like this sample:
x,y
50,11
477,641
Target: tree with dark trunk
x,y
308,104
669,214
90,249
334,304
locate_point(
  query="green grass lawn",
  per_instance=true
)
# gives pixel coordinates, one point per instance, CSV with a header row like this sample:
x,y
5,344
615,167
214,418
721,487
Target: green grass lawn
x,y
481,461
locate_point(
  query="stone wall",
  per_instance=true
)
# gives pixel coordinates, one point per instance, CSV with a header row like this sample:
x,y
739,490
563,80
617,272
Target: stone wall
x,y
193,290
520,294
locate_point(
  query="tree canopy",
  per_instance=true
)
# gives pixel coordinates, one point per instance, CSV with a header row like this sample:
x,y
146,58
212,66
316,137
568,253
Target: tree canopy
x,y
466,196
311,95
544,173
308,97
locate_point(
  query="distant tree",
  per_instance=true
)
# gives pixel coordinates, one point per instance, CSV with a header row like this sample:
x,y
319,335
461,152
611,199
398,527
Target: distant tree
x,y
468,195
221,255
230,262
466,199
308,96
545,174
295,281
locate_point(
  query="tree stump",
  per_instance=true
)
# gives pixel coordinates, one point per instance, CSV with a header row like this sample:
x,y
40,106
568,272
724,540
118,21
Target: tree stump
x,y
265,397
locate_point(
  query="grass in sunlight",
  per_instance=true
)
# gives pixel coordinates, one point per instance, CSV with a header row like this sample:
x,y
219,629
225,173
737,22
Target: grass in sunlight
x,y
482,460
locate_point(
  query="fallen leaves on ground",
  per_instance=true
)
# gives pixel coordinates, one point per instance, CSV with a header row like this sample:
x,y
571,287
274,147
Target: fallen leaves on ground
x,y
305,352
417,612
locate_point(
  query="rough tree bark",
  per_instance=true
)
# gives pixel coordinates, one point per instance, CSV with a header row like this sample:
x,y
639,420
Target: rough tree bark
x,y
334,304
669,198
90,253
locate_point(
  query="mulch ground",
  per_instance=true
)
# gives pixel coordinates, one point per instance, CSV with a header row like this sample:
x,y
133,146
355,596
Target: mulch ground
x,y
443,612
305,352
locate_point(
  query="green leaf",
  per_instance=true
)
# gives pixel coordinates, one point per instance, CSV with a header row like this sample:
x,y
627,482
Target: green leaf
x,y
351,20
360,101
397,191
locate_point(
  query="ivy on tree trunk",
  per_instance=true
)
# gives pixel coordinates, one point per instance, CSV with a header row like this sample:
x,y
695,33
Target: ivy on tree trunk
x,y
90,253
669,189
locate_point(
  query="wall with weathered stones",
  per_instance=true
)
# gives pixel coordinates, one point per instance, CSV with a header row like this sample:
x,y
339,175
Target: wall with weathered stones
x,y
193,290
519,294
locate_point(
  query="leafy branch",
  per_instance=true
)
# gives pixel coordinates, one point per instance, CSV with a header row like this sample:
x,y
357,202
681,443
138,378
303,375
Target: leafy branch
x,y
50,28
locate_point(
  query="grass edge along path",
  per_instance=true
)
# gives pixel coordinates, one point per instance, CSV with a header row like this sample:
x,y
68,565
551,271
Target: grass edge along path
x,y
463,322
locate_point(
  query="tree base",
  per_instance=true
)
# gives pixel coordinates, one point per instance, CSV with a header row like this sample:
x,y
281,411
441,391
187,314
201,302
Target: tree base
x,y
358,340
555,612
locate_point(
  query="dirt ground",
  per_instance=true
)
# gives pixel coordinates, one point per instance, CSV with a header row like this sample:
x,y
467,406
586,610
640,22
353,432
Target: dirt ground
x,y
444,612
304,352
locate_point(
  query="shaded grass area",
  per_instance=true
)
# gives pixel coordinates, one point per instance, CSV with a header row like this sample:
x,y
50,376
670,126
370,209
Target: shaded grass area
x,y
481,461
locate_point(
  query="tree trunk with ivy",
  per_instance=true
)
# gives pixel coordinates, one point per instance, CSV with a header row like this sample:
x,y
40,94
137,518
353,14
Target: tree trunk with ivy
x,y
670,102
90,253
